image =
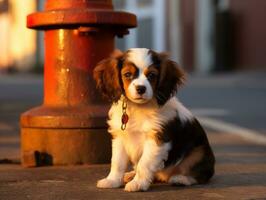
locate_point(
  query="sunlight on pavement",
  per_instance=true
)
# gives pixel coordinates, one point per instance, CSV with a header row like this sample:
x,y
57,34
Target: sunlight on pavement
x,y
250,135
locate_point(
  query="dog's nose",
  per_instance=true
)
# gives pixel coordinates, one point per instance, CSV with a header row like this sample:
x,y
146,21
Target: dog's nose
x,y
141,89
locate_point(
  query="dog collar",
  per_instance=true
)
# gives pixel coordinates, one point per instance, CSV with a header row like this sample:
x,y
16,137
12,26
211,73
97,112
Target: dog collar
x,y
124,118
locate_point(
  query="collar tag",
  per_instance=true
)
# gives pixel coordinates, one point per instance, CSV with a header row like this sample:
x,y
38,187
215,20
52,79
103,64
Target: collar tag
x,y
124,118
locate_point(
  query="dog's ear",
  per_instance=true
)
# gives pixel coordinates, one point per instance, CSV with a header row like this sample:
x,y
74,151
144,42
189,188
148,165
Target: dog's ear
x,y
171,78
107,76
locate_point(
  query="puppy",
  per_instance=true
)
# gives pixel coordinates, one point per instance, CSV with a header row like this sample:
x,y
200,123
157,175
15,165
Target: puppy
x,y
149,126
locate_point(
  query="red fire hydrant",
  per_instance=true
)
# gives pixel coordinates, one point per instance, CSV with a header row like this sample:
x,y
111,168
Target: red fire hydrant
x,y
70,126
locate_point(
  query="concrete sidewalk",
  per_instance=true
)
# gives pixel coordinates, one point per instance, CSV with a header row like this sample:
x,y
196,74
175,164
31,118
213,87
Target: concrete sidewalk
x,y
240,174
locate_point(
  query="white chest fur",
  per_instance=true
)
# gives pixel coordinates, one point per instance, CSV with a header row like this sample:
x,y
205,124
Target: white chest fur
x,y
143,119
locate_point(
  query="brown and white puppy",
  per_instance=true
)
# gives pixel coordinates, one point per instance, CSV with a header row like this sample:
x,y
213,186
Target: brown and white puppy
x,y
158,135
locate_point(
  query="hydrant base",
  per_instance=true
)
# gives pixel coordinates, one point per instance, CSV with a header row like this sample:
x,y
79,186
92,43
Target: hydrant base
x,y
41,147
65,117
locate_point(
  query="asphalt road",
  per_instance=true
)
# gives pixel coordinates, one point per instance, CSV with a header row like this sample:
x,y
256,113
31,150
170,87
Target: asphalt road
x,y
239,99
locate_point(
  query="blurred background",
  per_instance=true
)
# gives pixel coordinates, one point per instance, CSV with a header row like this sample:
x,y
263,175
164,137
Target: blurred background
x,y
220,43
204,36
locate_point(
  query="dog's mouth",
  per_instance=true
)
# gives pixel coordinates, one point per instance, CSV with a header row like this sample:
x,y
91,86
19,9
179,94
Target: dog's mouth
x,y
140,100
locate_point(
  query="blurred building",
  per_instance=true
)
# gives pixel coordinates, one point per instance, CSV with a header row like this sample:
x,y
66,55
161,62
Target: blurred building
x,y
202,35
17,43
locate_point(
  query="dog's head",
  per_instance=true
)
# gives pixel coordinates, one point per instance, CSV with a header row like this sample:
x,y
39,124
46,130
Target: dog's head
x,y
140,74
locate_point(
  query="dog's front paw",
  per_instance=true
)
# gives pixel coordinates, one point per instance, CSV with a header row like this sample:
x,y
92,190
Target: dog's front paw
x,y
108,183
135,185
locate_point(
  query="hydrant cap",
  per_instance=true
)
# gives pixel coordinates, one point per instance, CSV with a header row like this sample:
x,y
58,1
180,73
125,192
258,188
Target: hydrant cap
x,y
75,13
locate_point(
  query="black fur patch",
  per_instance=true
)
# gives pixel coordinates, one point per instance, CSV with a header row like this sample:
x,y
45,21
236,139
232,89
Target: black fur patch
x,y
185,138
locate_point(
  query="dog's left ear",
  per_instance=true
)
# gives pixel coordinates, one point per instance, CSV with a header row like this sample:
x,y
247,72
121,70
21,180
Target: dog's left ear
x,y
171,78
107,77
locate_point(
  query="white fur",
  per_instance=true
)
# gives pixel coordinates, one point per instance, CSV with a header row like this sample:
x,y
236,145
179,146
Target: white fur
x,y
150,162
143,81
183,180
183,112
140,57
136,144
142,117
118,166
142,60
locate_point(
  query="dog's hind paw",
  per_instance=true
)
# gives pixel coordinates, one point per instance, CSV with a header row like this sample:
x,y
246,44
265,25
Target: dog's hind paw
x,y
129,176
182,180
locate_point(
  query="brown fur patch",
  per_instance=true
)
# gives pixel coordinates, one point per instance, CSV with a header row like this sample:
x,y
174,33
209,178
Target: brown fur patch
x,y
128,176
184,168
152,74
106,74
199,164
155,136
128,68
165,174
171,77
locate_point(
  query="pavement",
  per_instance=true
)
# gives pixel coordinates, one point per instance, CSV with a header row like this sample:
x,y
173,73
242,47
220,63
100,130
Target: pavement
x,y
231,107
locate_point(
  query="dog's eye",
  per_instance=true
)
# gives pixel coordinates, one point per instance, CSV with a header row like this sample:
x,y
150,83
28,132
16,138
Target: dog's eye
x,y
128,75
151,76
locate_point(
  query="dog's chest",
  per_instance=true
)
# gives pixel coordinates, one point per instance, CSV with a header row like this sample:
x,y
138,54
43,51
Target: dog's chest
x,y
139,125
142,123
133,144
140,120
138,128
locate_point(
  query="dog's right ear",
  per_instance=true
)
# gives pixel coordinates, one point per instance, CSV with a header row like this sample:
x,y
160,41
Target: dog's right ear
x,y
107,76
